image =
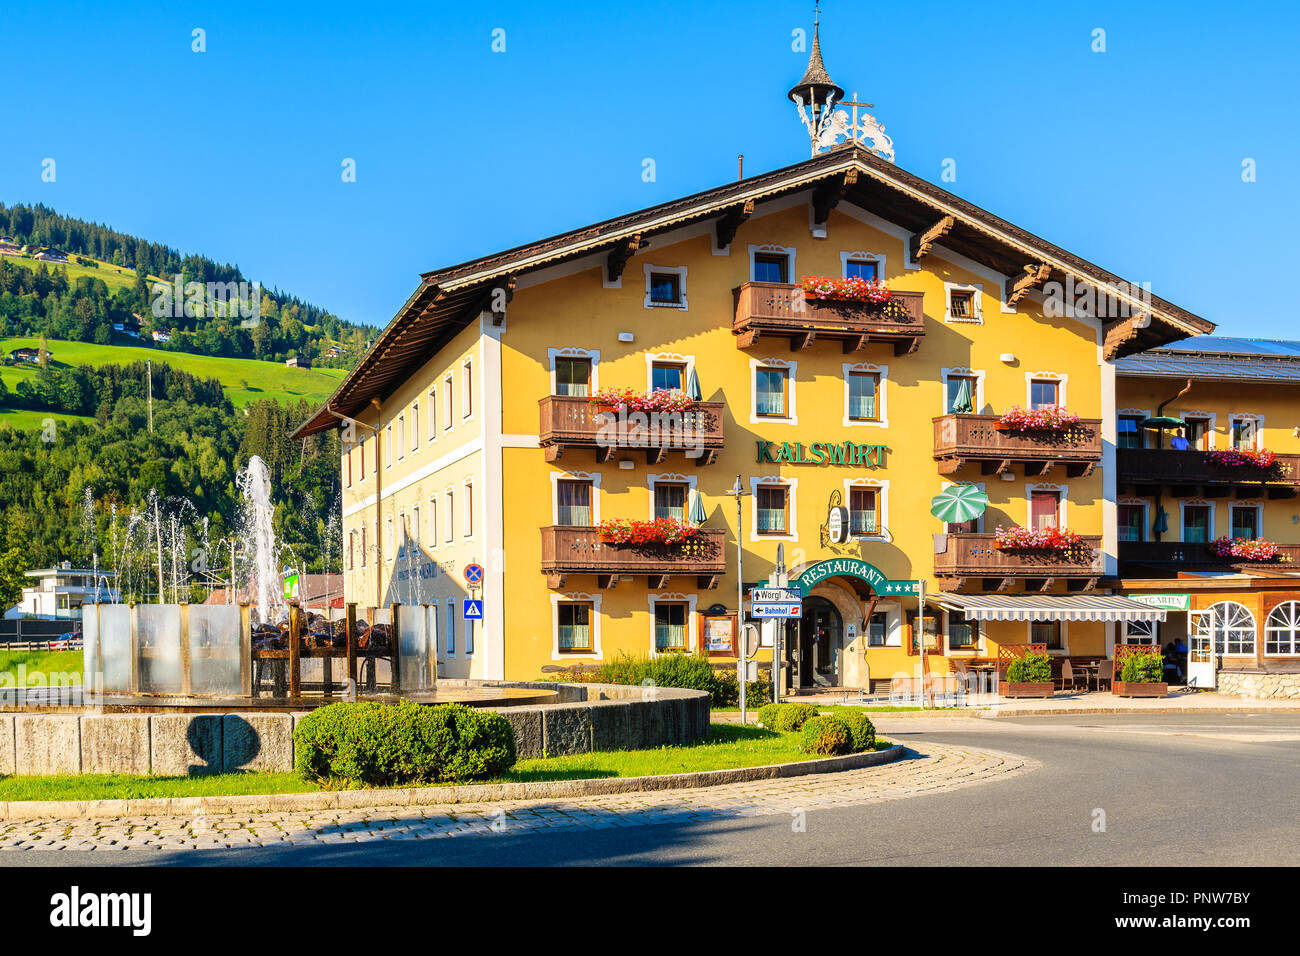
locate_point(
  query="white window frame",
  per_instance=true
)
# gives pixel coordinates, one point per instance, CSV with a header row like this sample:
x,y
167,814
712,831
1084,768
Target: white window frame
x,y
449,515
977,306
882,394
591,355
449,651
467,388
1247,505
687,362
1247,416
1183,505
1060,378
680,272
1211,429
1138,413
401,436
1215,633
1148,632
877,257
1064,650
792,510
417,531
388,446
756,249
1062,497
674,597
961,371
449,401
1146,516
594,600
672,479
591,476
415,426
389,550
1293,632
978,650
468,504
882,515
791,409
433,412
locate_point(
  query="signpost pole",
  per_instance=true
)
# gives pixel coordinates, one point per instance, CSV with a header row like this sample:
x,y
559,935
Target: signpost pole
x,y
740,605
920,623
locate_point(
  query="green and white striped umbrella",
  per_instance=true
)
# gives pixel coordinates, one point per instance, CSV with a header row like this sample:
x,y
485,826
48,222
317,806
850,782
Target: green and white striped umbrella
x,y
958,503
693,386
962,401
697,511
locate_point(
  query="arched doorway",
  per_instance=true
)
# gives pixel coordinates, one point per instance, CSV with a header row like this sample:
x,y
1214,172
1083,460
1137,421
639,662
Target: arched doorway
x,y
820,641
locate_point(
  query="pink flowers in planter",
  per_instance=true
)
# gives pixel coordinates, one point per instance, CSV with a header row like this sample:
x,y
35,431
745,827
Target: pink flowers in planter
x,y
1248,549
1243,457
1037,539
854,289
660,400
1049,418
657,531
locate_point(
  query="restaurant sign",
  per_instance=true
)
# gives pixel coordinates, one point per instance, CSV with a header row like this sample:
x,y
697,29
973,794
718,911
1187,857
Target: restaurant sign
x,y
822,453
1170,602
811,576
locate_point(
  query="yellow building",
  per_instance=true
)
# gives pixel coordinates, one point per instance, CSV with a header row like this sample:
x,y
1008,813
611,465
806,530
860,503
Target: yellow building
x,y
1207,510
471,434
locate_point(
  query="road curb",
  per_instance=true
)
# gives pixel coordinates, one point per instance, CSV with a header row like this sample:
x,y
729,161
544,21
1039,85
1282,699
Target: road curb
x,y
425,796
1161,711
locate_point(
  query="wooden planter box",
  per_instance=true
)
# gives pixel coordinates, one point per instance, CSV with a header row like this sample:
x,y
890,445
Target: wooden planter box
x,y
1124,689
1035,689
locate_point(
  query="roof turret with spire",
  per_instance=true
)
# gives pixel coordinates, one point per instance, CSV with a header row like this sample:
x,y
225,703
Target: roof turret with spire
x,y
816,82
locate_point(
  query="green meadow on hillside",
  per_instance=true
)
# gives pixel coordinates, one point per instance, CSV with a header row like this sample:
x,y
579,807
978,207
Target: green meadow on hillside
x,y
245,380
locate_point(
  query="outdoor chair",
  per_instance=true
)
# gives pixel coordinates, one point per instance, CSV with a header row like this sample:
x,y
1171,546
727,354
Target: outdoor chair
x,y
1105,673
1070,678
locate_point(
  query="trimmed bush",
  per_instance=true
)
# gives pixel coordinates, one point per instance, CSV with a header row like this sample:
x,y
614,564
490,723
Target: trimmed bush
x,y
407,743
724,694
1143,669
785,718
862,732
1030,669
827,734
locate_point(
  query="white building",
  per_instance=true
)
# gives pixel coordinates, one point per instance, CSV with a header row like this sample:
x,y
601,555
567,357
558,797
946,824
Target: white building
x,y
60,592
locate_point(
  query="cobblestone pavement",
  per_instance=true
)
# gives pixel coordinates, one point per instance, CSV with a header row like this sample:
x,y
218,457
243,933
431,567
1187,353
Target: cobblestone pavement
x,y
930,768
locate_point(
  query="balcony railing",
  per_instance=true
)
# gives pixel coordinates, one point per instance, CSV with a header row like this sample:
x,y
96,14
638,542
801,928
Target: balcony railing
x,y
1197,554
573,422
961,438
1169,467
780,309
570,549
959,556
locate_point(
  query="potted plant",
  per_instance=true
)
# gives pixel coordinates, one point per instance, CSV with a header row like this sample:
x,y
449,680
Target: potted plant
x,y
659,400
1260,458
1028,676
1017,538
625,531
853,289
1049,418
1246,549
1141,676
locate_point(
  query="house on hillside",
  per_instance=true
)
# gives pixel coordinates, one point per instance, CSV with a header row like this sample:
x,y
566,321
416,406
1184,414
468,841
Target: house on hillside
x,y
50,254
161,335
297,362
27,354
129,326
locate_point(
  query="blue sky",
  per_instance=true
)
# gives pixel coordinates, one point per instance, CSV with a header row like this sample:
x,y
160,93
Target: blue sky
x,y
1131,158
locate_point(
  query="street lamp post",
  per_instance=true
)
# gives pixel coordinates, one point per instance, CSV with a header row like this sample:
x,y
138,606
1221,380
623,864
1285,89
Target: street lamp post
x,y
738,492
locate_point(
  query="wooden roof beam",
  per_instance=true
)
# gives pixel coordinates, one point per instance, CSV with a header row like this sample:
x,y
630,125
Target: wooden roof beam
x,y
829,192
495,299
1032,277
922,241
623,250
731,221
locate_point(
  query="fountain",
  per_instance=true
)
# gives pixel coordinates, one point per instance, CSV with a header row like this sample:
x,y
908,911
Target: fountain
x,y
258,533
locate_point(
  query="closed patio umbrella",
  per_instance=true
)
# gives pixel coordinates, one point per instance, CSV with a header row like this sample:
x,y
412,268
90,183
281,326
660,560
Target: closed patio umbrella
x,y
697,510
959,503
962,401
693,386
1161,524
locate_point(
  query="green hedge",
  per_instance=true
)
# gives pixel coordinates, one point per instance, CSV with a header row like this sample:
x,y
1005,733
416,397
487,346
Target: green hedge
x,y
1143,669
725,694
785,718
1030,669
862,732
827,734
407,743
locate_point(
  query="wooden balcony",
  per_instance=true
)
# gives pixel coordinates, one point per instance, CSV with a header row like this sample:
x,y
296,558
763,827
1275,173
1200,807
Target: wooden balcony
x,y
568,549
961,439
960,557
573,422
775,309
1191,473
1170,556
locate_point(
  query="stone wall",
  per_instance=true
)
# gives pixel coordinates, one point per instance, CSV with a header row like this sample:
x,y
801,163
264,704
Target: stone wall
x,y
589,717
1259,685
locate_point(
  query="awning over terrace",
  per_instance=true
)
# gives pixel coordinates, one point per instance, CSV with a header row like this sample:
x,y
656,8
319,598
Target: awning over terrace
x,y
1048,607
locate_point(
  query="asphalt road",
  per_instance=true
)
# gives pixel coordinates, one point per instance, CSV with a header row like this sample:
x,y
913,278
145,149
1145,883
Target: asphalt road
x,y
1196,790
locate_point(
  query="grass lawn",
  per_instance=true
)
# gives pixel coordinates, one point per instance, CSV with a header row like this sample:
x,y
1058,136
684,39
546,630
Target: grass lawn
x,y
23,419
115,277
39,665
245,380
728,747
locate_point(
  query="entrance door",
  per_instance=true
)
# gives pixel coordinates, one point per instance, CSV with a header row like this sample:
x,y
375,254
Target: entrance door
x,y
1200,650
820,631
